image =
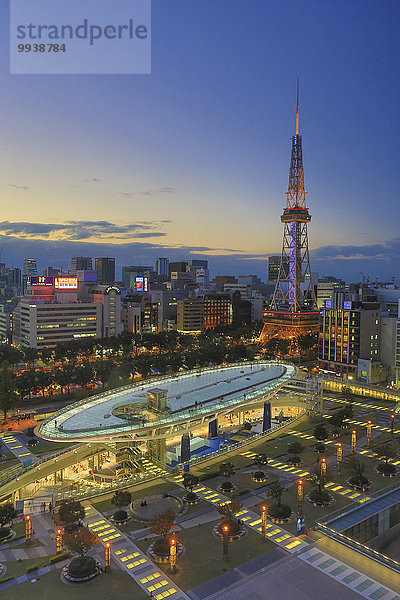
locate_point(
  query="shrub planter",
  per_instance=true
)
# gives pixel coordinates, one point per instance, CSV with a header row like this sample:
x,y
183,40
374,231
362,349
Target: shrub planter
x,y
227,487
362,484
191,498
320,448
238,531
324,500
386,470
160,556
120,517
5,534
294,460
80,569
280,514
3,570
259,476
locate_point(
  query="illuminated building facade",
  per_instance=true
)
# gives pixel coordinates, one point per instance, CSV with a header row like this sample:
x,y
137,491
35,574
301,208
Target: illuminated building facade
x,y
217,310
349,342
190,315
293,310
40,324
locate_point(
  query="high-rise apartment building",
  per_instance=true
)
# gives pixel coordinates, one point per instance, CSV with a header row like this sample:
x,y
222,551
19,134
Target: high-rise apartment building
x,y
217,310
81,263
105,268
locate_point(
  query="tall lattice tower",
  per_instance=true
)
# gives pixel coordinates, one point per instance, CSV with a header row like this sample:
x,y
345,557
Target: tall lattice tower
x,y
294,309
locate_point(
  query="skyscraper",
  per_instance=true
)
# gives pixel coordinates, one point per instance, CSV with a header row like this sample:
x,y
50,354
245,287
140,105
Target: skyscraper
x,y
162,266
81,263
105,268
29,269
294,308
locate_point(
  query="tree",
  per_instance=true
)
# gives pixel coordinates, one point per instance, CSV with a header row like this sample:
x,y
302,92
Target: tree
x,y
161,525
356,469
81,542
121,498
228,512
30,355
189,482
25,383
320,432
43,380
261,460
275,492
227,469
8,395
71,511
7,514
103,371
387,452
83,374
296,447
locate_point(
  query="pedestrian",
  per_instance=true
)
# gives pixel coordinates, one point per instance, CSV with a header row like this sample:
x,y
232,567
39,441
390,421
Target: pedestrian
x,y
44,506
50,506
55,423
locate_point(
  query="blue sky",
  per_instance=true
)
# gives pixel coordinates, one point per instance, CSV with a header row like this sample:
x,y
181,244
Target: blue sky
x,y
193,159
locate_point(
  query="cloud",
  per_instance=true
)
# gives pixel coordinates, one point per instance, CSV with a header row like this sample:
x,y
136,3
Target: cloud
x,y
92,180
19,187
155,192
81,230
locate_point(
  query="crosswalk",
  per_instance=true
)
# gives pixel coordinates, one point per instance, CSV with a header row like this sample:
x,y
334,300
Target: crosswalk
x,y
132,560
252,520
350,493
18,449
352,579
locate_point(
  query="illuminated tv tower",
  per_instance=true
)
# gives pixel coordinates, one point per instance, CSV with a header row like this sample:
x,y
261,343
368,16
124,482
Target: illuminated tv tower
x,y
293,310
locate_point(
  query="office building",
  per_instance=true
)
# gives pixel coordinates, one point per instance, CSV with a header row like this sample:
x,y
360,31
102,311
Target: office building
x,y
190,315
217,310
109,297
40,324
130,275
139,314
105,268
81,263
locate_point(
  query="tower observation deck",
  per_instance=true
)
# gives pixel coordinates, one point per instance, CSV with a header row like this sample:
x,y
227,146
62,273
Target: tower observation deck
x,y
293,310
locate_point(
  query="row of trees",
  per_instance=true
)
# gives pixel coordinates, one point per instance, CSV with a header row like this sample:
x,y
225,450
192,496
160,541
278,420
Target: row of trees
x,y
304,344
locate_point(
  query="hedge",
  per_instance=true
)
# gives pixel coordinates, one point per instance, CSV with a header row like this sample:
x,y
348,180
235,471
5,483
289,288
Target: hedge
x,y
32,568
57,557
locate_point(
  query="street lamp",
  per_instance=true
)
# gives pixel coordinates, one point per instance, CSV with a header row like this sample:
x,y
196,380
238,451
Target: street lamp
x,y
264,521
107,550
369,432
300,496
225,537
353,441
28,528
339,454
323,469
391,423
172,555
59,540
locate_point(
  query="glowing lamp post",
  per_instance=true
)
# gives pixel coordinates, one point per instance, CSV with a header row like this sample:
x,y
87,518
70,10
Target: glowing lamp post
x,y
28,528
107,550
353,441
264,521
391,423
172,555
369,432
300,496
225,537
323,469
59,540
339,454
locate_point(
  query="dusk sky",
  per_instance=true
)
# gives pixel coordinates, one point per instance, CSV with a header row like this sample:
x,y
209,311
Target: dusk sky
x,y
193,160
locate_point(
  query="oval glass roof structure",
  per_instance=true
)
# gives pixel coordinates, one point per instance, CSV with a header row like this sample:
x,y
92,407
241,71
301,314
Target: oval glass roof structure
x,y
162,406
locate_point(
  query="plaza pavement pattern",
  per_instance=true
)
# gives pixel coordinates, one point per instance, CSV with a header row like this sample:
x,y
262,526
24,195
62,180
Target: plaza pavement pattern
x,y
252,520
132,560
351,578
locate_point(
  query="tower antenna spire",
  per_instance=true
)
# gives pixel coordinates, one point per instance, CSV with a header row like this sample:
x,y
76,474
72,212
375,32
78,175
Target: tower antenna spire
x,y
297,108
